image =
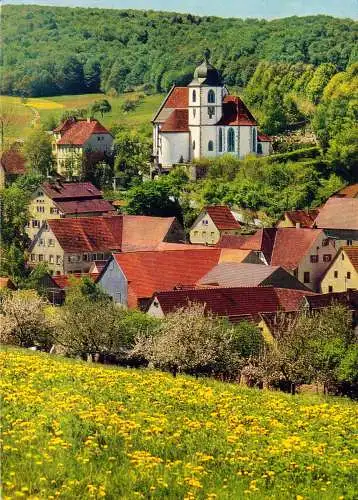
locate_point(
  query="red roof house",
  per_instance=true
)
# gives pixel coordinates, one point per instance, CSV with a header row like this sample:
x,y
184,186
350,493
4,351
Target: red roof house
x,y
213,222
299,218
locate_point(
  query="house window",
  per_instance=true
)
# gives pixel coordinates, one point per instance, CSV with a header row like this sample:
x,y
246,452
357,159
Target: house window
x,y
41,242
41,257
51,259
40,209
33,257
259,148
327,258
210,146
211,111
196,233
53,210
58,259
231,140
205,222
35,223
335,274
204,234
348,275
325,242
194,95
306,277
220,140
85,257
330,289
51,242
193,145
314,259
349,243
211,96
254,139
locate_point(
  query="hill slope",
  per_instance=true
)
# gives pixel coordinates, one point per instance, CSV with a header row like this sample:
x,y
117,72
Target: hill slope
x,y
52,50
75,430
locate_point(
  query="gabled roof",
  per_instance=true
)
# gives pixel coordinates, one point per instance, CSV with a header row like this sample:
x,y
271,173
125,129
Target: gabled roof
x,y
78,132
338,213
110,233
263,240
149,271
70,190
352,254
234,303
13,162
264,138
305,218
237,274
231,241
290,299
222,217
348,192
235,112
177,121
177,98
82,206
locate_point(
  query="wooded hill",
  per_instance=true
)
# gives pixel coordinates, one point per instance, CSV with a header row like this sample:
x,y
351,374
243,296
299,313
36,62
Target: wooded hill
x,y
53,50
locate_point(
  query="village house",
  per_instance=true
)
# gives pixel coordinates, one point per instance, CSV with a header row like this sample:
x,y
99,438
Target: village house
x,y
12,164
305,253
74,139
71,245
55,200
132,278
203,120
339,219
213,222
342,274
298,218
234,274
236,303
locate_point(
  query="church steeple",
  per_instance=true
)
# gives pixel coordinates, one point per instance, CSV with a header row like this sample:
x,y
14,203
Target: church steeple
x,y
206,73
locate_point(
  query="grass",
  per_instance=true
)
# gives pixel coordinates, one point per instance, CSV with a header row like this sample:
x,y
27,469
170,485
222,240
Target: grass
x,y
22,114
73,430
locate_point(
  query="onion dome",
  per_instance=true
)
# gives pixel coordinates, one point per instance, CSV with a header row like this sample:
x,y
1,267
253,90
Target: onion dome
x,y
206,73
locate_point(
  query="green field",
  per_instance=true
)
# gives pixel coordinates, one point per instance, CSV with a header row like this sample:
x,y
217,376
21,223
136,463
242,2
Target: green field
x,y
21,115
74,430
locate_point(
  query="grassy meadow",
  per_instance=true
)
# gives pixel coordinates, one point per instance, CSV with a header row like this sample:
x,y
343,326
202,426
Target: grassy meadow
x,y
74,430
21,114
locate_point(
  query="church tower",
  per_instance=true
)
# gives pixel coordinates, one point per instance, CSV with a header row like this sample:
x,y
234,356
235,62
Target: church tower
x,y
206,94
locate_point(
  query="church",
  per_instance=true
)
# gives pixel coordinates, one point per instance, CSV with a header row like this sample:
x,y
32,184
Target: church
x,y
203,120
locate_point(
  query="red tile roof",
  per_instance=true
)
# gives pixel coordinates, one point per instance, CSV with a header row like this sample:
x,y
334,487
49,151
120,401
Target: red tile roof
x,y
178,98
263,240
13,162
352,253
348,192
141,232
235,303
264,138
235,112
84,206
177,121
66,280
303,217
222,217
319,301
149,271
338,213
78,132
73,190
231,241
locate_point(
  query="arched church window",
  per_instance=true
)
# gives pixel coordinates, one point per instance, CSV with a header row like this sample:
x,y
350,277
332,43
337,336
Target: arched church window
x,y
211,96
193,145
220,140
194,95
231,140
194,112
210,146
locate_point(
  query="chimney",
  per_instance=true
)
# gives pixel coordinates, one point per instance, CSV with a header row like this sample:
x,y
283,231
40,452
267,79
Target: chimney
x,y
298,225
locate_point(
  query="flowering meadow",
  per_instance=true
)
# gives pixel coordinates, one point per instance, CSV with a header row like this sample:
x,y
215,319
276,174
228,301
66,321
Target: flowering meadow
x,y
77,430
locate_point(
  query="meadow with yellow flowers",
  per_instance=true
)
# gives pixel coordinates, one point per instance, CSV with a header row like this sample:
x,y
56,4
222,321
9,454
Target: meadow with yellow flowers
x,y
78,430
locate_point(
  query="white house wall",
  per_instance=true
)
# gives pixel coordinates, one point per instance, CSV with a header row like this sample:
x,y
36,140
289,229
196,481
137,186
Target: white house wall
x,y
99,142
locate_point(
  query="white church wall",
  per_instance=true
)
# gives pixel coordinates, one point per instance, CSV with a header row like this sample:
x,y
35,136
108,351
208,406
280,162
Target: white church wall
x,y
175,145
195,138
208,133
245,141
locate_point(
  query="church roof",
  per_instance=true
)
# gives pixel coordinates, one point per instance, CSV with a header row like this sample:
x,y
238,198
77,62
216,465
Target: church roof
x,y
235,112
177,121
206,73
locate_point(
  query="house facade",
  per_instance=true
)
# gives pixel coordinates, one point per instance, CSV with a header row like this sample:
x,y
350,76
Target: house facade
x,y
213,222
203,120
68,199
298,218
73,139
342,274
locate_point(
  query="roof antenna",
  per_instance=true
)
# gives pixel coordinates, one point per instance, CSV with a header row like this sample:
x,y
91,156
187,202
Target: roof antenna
x,y
207,55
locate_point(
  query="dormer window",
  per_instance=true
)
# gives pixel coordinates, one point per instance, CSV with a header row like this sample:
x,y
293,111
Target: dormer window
x,y
194,95
211,96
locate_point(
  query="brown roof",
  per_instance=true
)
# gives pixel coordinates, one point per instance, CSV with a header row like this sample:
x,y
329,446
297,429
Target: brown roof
x,y
149,271
177,98
177,121
231,240
264,138
237,274
305,218
70,190
7,283
290,299
84,206
222,217
13,162
348,192
352,253
78,132
283,246
338,213
235,303
319,301
110,233
235,112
